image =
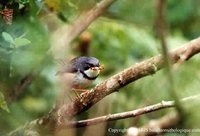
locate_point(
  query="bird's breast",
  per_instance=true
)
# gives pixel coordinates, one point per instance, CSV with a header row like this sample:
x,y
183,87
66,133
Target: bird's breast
x,y
80,81
74,80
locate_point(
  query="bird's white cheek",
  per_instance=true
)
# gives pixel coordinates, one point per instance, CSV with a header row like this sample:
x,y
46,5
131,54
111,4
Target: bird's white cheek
x,y
92,73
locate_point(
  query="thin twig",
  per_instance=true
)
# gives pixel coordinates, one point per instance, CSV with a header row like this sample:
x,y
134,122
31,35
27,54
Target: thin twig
x,y
18,89
161,125
161,32
155,126
128,114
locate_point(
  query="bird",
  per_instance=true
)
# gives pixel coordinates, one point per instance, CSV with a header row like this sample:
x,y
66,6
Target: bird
x,y
80,72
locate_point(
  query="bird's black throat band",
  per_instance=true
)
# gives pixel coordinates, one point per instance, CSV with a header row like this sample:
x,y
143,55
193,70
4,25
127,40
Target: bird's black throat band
x,y
87,77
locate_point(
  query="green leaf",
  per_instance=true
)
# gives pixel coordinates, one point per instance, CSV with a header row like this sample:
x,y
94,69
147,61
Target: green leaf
x,y
7,37
21,42
3,104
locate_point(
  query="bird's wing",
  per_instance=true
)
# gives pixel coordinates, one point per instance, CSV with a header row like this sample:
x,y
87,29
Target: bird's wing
x,y
67,67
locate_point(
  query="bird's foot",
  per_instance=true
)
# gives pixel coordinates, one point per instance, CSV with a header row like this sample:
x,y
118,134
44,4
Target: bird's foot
x,y
83,92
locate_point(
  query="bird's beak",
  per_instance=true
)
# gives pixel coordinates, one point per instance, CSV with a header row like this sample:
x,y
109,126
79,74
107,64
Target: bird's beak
x,y
101,67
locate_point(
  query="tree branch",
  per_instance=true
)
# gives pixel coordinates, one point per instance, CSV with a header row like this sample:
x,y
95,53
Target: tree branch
x,y
155,126
123,115
18,89
57,117
145,68
66,34
139,70
128,114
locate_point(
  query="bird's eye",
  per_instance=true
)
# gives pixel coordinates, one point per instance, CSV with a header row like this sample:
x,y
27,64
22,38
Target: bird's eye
x,y
91,65
87,67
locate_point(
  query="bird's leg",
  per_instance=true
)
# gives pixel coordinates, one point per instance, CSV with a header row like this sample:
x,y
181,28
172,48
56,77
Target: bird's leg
x,y
75,92
82,90
85,92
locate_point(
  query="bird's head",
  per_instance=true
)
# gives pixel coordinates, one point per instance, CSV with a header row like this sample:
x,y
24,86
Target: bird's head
x,y
89,66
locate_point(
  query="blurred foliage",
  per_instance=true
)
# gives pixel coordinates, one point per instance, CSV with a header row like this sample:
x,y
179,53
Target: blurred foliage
x,y
122,37
3,104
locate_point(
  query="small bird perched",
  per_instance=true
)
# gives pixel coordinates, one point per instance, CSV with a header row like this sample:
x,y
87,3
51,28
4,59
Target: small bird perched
x,y
80,72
